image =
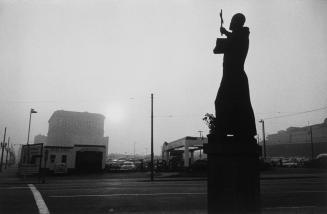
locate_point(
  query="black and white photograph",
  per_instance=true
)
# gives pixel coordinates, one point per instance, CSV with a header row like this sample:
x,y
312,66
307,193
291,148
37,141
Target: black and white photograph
x,y
163,106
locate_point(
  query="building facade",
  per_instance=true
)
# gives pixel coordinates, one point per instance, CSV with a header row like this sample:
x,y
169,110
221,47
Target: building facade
x,y
67,128
298,141
75,142
40,139
300,134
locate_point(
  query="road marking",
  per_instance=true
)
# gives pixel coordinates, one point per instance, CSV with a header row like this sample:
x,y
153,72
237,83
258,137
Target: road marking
x,y
298,207
14,188
129,194
296,191
43,209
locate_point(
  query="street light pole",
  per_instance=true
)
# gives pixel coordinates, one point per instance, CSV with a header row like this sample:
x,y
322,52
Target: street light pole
x,y
312,153
2,148
29,125
264,138
28,134
7,153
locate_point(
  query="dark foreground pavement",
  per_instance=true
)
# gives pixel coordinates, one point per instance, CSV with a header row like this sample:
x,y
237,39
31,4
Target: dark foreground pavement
x,y
289,194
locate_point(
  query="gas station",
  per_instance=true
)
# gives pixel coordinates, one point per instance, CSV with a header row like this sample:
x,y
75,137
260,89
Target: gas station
x,y
186,147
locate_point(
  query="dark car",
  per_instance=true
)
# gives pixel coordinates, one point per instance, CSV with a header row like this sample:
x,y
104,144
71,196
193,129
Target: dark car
x,y
112,166
199,165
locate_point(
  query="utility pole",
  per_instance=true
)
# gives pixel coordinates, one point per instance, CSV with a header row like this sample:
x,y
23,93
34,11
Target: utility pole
x,y
151,137
312,152
7,153
264,138
134,150
2,148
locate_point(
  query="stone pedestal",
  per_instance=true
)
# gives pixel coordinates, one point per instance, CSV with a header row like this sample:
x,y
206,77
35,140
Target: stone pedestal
x,y
233,175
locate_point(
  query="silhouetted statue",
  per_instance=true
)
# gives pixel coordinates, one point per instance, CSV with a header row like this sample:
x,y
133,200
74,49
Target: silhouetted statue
x,y
234,112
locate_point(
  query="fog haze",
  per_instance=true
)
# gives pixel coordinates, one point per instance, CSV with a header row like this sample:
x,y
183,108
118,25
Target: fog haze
x,y
108,57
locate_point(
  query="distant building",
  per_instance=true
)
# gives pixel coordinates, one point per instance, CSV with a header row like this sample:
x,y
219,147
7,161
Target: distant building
x,y
68,128
296,141
300,134
75,142
40,139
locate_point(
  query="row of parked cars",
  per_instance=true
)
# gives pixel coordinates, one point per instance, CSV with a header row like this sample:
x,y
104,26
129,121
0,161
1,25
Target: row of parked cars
x,y
134,165
293,162
122,165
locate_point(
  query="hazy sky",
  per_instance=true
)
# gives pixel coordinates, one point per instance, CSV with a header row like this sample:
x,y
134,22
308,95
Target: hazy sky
x,y
108,57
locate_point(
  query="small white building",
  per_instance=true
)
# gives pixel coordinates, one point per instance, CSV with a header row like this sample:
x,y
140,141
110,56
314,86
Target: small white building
x,y
75,142
76,158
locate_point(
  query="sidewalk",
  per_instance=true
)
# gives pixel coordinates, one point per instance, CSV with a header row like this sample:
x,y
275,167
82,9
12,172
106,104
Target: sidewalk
x,y
10,176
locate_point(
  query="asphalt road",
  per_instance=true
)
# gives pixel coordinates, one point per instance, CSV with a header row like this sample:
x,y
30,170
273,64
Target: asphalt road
x,y
287,195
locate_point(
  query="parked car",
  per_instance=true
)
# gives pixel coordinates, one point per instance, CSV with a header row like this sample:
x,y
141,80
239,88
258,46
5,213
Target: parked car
x,y
112,166
199,165
291,163
139,165
128,166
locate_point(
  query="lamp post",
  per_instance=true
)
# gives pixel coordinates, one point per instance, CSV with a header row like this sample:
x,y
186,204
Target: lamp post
x,y
7,151
3,144
264,138
29,124
32,111
312,153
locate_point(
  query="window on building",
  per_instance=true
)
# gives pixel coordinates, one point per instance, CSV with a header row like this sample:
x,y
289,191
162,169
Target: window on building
x,y
64,159
52,158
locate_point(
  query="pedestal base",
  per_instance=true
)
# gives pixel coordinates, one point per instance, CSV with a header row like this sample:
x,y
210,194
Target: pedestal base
x,y
233,175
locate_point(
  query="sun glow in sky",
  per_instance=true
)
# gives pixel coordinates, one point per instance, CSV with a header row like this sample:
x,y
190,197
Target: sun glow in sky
x,y
116,113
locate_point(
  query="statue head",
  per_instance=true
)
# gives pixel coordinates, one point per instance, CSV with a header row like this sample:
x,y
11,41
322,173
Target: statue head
x,y
237,22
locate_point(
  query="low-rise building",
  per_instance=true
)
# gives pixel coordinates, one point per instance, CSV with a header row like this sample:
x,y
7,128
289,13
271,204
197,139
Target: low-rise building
x,y
184,149
307,141
75,142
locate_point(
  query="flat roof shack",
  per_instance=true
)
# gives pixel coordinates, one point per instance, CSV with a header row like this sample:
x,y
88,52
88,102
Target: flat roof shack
x,y
185,148
75,142
79,158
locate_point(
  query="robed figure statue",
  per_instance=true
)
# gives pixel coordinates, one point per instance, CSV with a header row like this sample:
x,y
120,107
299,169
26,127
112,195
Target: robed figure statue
x,y
234,113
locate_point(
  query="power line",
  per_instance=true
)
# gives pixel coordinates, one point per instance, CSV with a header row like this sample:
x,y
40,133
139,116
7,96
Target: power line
x,y
297,113
267,118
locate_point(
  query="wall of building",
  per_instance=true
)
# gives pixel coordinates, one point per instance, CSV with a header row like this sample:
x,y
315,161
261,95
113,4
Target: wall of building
x,y
296,141
55,155
67,128
296,150
40,139
294,135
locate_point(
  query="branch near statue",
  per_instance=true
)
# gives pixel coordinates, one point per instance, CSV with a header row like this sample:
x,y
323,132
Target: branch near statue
x,y
233,154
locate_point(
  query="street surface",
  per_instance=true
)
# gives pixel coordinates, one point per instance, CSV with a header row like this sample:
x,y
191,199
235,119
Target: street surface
x,y
73,195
